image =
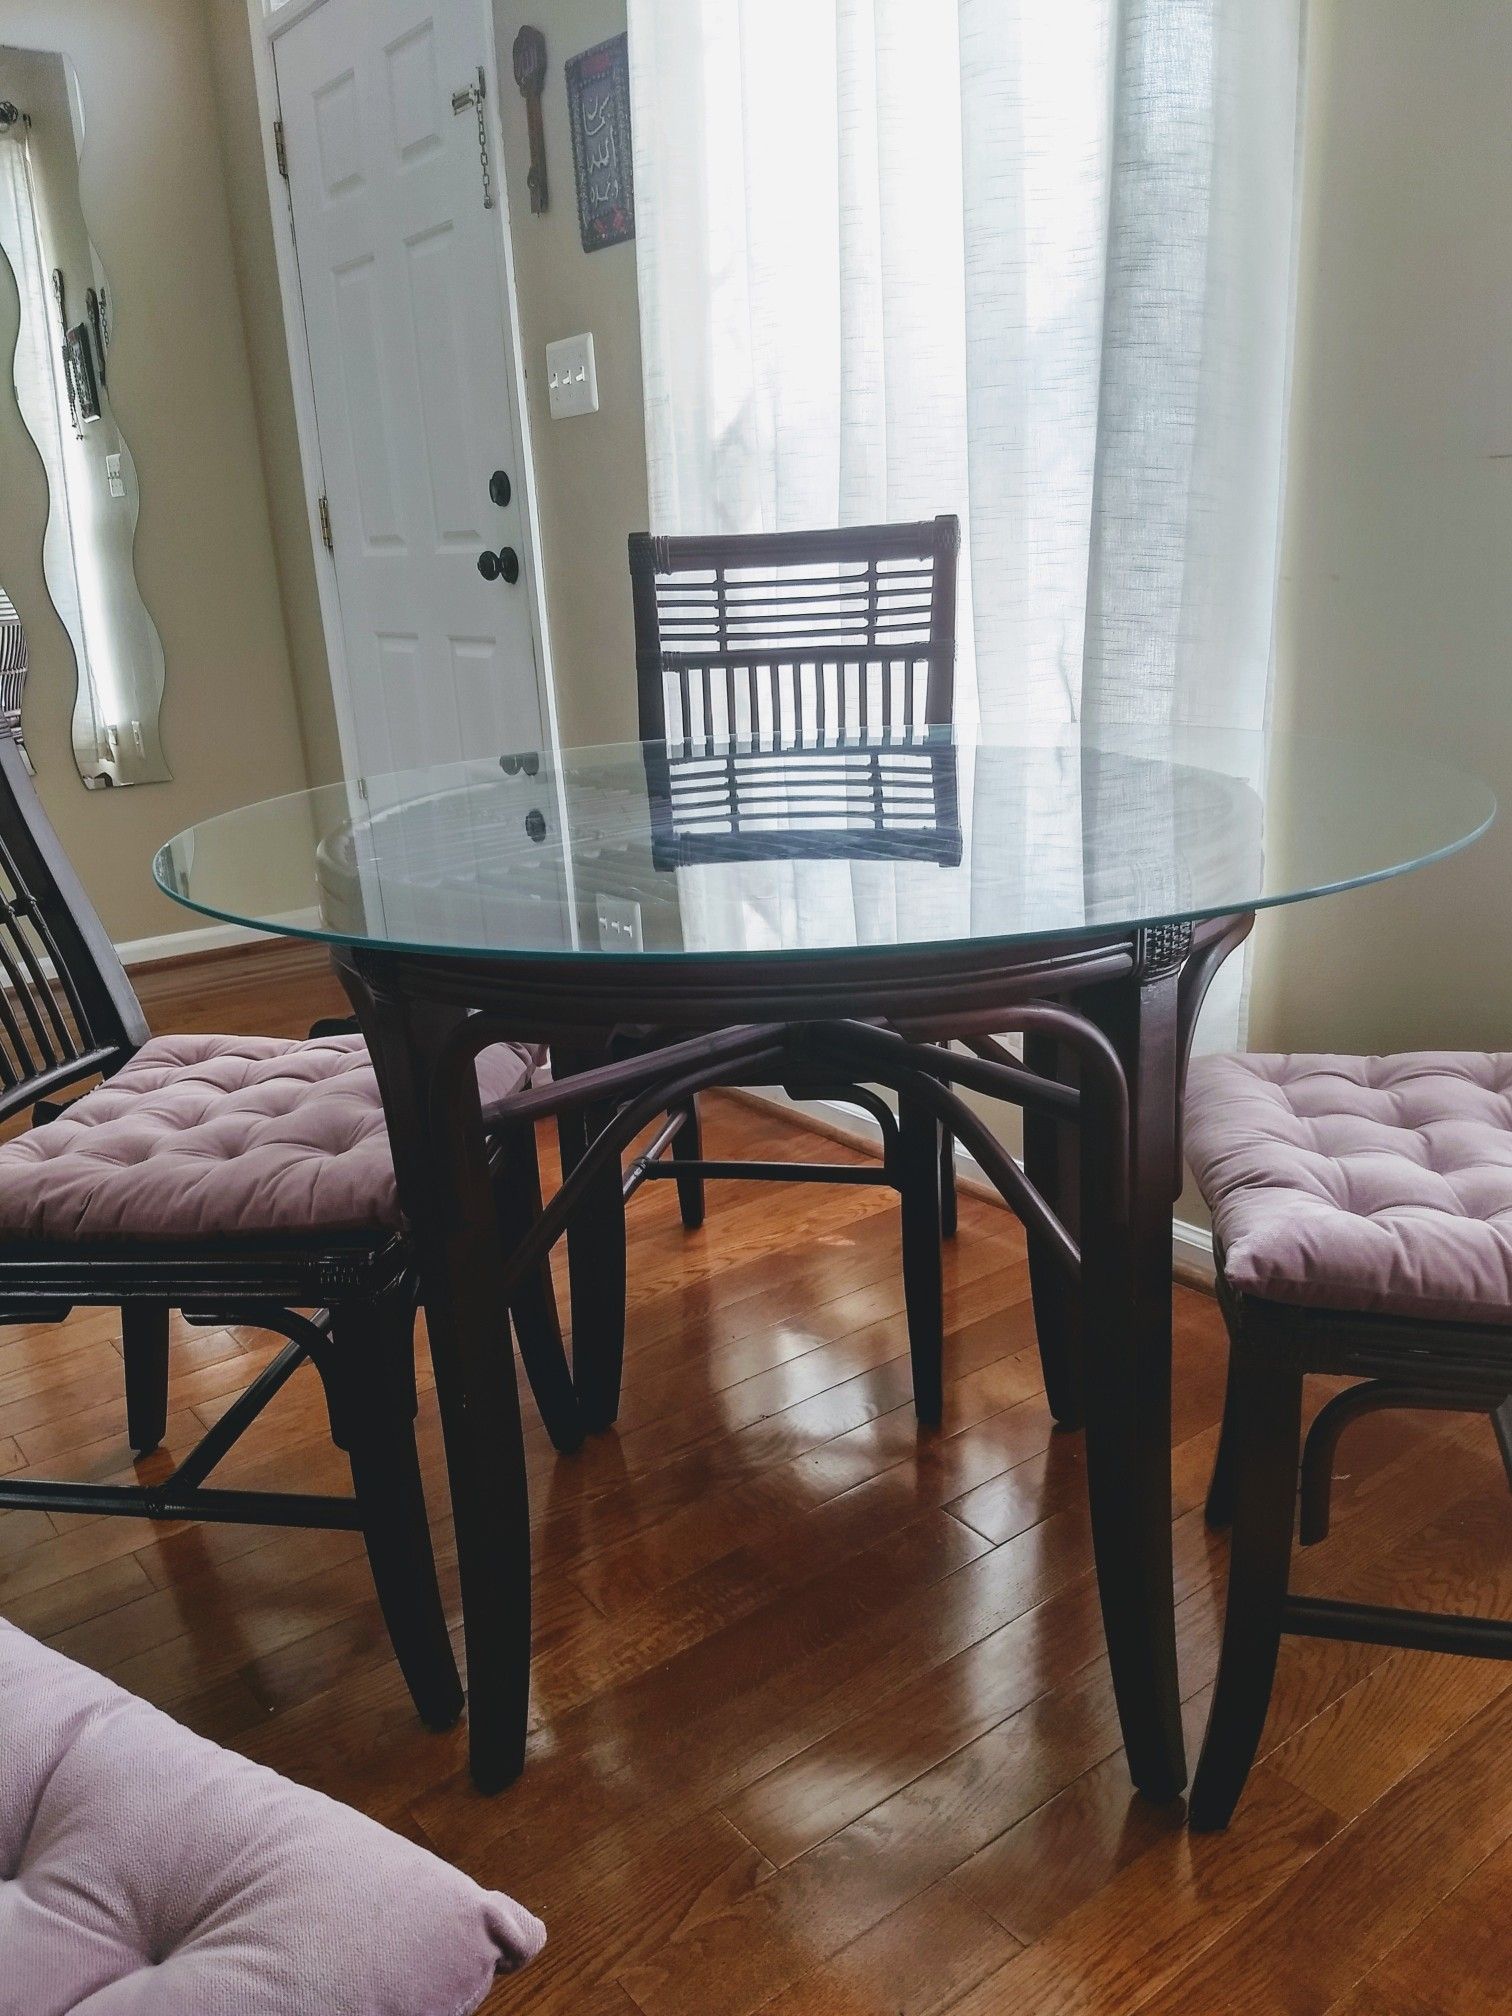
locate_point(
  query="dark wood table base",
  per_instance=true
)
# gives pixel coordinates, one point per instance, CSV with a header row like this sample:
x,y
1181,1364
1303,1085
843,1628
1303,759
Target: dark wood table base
x,y
1107,1029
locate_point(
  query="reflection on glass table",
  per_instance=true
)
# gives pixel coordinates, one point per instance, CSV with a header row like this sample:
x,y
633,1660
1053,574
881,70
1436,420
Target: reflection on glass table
x,y
884,798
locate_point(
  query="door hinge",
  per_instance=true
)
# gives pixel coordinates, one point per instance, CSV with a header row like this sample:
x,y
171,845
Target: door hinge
x,y
325,525
280,151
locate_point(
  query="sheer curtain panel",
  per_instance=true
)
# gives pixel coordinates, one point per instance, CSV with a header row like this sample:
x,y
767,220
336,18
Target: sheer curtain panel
x,y
1029,261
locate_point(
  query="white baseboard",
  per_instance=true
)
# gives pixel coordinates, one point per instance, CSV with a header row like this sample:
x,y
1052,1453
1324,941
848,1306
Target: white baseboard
x,y
1191,1245
1192,1254
187,944
202,938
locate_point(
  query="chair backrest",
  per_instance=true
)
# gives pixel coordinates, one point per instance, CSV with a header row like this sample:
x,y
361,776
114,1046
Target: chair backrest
x,y
807,634
12,668
67,1009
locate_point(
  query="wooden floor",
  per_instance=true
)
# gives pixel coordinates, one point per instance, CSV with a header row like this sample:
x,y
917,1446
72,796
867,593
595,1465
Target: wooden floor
x,y
822,1723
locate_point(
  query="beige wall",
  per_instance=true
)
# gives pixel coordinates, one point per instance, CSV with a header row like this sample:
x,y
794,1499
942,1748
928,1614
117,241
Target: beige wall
x,y
1395,616
155,200
590,471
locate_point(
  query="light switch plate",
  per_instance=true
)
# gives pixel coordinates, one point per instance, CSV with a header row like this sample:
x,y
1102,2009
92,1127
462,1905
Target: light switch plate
x,y
571,377
619,924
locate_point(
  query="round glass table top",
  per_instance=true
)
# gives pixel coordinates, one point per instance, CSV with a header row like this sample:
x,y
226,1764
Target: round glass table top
x,y
933,837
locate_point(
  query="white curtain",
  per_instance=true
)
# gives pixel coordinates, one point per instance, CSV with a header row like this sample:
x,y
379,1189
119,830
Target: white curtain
x,y
1025,260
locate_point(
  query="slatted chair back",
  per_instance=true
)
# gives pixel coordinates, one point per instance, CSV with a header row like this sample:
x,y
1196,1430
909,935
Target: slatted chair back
x,y
67,1009
12,667
810,635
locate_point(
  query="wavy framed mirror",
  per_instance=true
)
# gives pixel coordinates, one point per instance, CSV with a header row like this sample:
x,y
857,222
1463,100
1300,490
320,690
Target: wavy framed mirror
x,y
56,323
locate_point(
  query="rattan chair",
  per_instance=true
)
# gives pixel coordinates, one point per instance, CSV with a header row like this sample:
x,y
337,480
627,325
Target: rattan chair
x,y
240,1181
1361,1208
827,656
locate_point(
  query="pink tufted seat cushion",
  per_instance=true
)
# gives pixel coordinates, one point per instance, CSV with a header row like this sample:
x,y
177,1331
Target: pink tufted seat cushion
x,y
219,1137
146,1872
1370,1183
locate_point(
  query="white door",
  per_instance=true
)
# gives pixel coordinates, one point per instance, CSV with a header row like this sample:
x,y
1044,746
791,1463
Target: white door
x,y
400,269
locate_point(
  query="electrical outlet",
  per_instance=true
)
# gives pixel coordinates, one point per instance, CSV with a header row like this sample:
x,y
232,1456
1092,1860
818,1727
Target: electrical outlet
x,y
619,924
571,377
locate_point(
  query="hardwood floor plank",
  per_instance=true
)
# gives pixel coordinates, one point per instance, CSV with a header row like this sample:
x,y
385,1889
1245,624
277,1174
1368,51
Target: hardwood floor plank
x,y
922,1957
1471,1926
1183,1893
1371,1887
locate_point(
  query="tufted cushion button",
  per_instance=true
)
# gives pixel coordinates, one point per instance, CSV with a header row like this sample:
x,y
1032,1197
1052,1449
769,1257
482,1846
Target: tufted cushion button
x,y
1369,1183
210,1137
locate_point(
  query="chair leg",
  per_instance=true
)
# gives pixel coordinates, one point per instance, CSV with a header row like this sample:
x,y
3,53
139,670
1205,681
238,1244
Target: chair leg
x,y
596,1275
144,1346
923,1276
1051,1164
1219,1509
517,1188
369,1373
949,1212
1501,1422
1267,1411
687,1146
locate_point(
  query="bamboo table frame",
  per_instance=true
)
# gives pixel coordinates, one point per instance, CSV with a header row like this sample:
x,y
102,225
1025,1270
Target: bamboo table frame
x,y
1107,1024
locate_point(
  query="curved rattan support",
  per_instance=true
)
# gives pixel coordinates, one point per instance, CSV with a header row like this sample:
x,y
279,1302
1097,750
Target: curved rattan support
x,y
620,1079
851,1095
891,1067
1047,1095
1371,1396
1104,1083
664,1091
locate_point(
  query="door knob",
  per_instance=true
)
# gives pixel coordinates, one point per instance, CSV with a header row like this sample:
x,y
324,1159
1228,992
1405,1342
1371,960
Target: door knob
x,y
498,487
505,562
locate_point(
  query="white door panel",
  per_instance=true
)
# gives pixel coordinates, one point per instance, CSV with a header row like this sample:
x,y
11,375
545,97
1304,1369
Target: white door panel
x,y
400,273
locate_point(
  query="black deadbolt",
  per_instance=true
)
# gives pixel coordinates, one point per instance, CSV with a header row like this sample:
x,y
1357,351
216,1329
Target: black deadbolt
x,y
498,488
488,566
535,825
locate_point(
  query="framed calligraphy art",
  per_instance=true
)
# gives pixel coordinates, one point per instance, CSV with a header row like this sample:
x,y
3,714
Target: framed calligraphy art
x,y
598,111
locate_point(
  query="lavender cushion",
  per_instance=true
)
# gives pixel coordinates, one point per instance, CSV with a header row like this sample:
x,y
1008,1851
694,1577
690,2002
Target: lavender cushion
x,y
1371,1183
214,1137
146,1872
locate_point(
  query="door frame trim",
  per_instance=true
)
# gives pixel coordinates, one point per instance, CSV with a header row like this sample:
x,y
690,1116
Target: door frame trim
x,y
267,20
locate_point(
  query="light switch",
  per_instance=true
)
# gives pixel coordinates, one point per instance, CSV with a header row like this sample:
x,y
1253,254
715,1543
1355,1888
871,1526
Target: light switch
x,y
571,378
113,477
619,924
